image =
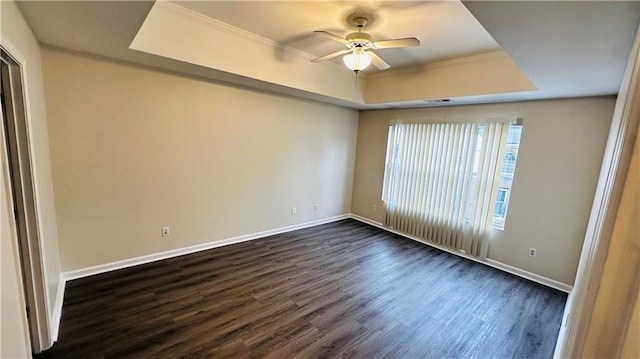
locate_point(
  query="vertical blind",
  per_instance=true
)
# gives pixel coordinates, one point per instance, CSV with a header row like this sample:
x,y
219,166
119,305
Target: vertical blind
x,y
441,181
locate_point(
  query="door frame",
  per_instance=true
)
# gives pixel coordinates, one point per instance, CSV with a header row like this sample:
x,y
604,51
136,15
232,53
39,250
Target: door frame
x,y
16,142
580,306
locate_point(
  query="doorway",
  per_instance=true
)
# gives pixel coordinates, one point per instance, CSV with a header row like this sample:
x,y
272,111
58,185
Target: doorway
x,y
16,143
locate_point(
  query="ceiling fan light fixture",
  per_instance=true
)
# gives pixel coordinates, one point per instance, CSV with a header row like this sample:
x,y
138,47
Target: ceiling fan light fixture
x,y
357,60
360,46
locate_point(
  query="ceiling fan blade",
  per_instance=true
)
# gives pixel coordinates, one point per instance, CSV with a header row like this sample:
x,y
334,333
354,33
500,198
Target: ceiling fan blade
x,y
389,44
331,55
331,36
377,61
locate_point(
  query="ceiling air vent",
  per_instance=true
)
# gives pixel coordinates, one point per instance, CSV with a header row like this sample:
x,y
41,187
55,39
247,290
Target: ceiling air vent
x,y
439,100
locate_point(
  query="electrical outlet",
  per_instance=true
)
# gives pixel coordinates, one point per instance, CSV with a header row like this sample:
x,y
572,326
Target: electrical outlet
x,y
166,231
532,252
293,211
375,207
315,208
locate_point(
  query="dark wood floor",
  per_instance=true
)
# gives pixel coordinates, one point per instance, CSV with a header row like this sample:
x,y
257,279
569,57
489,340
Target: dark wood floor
x,y
343,289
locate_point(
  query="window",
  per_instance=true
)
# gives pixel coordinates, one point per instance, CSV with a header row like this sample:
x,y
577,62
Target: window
x,y
501,204
506,177
443,181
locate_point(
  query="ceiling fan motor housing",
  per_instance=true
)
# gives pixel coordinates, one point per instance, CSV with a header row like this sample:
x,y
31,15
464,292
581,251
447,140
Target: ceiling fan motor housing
x,y
359,38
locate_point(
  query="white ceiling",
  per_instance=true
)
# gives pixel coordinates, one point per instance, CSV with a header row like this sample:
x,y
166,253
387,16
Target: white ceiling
x,y
446,28
567,49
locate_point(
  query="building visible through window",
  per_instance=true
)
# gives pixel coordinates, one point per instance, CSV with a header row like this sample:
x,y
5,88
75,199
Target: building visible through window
x,y
506,178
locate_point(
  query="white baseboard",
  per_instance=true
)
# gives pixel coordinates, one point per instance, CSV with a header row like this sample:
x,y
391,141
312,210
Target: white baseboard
x,y
490,262
107,267
56,314
530,276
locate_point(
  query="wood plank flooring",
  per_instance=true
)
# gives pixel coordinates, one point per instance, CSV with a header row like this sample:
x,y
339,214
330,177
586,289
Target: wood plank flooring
x,y
343,289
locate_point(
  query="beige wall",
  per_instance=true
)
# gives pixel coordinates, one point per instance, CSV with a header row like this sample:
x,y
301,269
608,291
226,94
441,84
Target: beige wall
x,y
560,155
17,38
134,149
631,344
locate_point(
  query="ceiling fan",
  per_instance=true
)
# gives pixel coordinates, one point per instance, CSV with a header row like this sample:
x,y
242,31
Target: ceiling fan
x,y
359,52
